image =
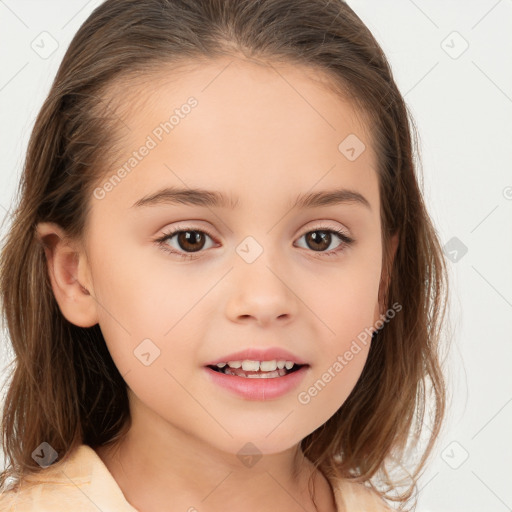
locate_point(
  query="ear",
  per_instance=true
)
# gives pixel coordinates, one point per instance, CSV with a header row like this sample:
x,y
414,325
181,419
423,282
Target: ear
x,y
385,278
69,275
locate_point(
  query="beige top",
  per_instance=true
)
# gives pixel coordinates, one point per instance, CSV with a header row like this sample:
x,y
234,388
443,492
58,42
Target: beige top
x,y
84,484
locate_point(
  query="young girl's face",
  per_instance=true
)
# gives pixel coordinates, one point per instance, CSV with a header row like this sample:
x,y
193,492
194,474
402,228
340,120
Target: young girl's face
x,y
255,275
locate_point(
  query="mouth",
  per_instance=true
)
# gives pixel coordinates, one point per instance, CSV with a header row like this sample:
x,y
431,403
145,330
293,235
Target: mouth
x,y
257,369
251,379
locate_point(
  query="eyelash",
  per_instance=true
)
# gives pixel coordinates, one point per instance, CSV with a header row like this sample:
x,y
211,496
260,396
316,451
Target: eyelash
x,y
346,241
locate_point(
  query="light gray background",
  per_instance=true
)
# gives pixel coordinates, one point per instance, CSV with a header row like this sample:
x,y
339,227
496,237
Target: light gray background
x,y
462,102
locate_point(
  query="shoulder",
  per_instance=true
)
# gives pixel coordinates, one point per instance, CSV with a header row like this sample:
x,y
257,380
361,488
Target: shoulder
x,y
48,490
357,497
43,497
24,499
79,482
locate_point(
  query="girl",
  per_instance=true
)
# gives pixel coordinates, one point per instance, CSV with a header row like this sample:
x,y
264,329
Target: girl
x,y
287,359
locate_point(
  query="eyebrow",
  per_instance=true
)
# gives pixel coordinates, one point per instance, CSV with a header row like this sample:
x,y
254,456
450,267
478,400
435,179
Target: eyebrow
x,y
215,199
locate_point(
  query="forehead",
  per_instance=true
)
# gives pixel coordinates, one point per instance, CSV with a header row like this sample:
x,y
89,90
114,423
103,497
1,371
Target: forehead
x,y
253,126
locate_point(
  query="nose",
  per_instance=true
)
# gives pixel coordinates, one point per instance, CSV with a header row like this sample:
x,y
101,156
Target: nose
x,y
261,292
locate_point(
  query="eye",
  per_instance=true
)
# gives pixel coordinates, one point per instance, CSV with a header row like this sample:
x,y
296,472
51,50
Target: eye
x,y
321,238
187,239
191,241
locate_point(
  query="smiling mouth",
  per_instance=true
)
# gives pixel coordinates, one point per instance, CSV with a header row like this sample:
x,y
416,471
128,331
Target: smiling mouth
x,y
231,369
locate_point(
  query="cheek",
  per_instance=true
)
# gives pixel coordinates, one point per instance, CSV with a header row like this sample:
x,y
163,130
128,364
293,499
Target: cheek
x,y
331,385
345,299
348,312
345,304
148,314
141,291
145,319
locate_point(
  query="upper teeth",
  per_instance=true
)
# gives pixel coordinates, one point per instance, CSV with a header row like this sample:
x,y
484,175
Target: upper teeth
x,y
254,366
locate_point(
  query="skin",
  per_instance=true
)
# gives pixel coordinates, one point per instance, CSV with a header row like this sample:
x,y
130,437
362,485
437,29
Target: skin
x,y
186,432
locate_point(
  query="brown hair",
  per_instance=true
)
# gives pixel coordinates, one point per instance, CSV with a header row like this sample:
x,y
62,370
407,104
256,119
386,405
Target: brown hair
x,y
65,388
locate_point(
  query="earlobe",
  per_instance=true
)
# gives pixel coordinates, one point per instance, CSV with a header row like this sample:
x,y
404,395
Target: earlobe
x,y
68,271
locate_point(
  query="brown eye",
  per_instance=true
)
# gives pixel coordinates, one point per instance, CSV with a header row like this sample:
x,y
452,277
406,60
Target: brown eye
x,y
184,242
191,240
318,240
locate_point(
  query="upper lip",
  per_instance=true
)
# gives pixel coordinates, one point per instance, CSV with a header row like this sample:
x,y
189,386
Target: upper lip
x,y
259,354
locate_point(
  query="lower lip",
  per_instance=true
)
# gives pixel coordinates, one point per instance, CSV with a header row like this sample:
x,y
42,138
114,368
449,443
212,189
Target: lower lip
x,y
258,389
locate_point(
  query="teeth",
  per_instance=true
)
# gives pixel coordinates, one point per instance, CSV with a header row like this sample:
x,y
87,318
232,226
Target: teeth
x,y
266,375
249,365
268,366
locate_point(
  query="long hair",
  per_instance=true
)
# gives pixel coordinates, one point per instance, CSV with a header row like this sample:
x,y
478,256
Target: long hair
x,y
64,388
